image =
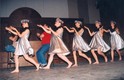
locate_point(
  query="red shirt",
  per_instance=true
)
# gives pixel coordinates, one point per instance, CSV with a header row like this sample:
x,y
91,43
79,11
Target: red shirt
x,y
46,38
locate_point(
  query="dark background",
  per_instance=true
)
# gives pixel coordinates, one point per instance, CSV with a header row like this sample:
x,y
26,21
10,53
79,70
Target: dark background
x,y
109,10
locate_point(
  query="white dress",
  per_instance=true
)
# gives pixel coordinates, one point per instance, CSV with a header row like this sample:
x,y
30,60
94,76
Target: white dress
x,y
23,46
116,41
97,41
57,46
79,43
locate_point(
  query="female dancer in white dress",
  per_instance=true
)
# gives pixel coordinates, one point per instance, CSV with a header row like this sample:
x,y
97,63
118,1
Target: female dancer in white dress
x,y
23,46
117,42
57,46
78,42
97,43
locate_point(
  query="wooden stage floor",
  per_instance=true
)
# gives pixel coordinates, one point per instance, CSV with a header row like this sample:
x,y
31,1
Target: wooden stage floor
x,y
102,71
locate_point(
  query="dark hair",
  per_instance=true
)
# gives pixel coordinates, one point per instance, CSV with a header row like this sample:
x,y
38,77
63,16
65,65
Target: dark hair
x,y
78,29
23,29
113,22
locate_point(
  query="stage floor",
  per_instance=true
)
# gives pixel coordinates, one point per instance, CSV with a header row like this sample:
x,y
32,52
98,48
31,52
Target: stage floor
x,y
103,71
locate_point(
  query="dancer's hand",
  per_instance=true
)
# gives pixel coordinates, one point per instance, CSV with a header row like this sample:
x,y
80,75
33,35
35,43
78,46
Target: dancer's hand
x,y
38,34
86,27
73,28
13,28
46,26
64,26
7,28
108,30
39,25
50,28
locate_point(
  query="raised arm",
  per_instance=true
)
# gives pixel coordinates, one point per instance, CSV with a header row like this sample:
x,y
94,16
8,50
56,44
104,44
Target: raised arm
x,y
91,33
59,31
10,30
18,33
78,32
46,30
71,31
106,30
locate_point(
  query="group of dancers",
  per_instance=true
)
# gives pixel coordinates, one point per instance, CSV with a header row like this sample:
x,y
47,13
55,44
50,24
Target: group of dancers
x,y
54,44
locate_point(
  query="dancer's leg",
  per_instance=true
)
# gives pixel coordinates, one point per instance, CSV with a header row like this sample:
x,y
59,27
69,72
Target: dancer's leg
x,y
102,54
49,61
16,64
85,56
95,57
63,57
120,57
75,59
112,55
32,61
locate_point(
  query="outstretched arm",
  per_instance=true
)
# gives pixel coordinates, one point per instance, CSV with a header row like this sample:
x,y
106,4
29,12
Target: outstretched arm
x,y
106,30
78,32
55,33
71,31
91,33
59,31
18,33
45,29
10,30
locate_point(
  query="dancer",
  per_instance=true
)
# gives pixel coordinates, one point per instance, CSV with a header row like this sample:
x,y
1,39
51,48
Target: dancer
x,y
117,42
23,46
97,43
78,42
56,44
45,39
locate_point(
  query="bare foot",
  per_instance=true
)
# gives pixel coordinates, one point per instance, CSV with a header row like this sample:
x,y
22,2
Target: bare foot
x,y
89,59
37,66
40,67
15,71
112,60
106,59
46,67
69,65
96,63
120,58
75,65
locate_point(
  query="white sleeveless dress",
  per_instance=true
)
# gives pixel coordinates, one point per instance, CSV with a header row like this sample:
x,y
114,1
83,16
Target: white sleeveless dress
x,y
79,43
97,41
116,41
23,46
57,46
